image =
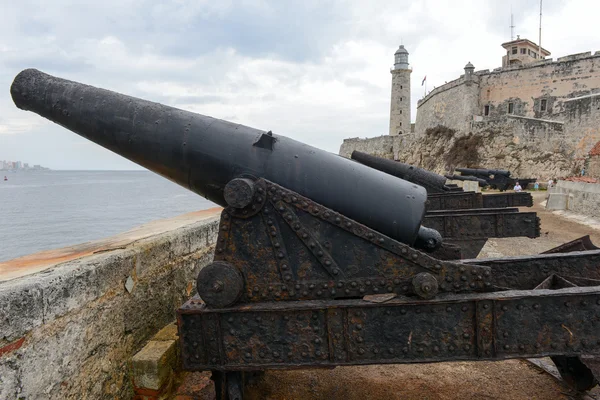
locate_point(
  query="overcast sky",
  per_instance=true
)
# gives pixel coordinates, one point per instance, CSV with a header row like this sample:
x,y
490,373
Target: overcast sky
x,y
317,71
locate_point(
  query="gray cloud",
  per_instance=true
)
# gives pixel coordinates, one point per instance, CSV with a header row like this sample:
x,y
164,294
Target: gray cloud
x,y
317,71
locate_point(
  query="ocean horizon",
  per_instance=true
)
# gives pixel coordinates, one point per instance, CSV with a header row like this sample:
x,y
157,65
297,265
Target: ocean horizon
x,y
48,209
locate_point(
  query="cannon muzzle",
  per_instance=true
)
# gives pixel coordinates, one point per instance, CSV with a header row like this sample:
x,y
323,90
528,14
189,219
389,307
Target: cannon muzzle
x,y
203,154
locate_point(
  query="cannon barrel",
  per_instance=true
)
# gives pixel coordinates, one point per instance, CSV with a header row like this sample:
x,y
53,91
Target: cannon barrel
x,y
481,182
479,171
203,154
431,181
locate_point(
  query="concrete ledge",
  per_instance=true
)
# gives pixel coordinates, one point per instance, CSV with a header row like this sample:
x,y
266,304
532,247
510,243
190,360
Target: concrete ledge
x,y
557,201
68,330
583,198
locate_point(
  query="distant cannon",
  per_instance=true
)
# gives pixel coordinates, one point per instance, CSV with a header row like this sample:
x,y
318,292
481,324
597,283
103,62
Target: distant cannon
x,y
431,181
496,178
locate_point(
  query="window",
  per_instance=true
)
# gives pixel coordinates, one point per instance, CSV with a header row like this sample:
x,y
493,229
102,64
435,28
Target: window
x,y
400,98
511,108
543,105
400,123
400,86
514,50
400,111
529,52
523,51
534,55
486,110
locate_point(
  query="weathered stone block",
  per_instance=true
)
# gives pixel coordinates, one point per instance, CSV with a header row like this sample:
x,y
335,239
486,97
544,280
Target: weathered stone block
x,y
152,367
557,201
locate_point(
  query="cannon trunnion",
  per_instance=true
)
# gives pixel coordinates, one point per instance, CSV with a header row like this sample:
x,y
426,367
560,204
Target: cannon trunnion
x,y
321,261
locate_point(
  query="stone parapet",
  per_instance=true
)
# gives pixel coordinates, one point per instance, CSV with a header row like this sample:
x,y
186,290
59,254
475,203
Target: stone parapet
x,y
68,330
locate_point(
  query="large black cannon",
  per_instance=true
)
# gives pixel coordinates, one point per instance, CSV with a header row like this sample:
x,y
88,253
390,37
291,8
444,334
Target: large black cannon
x,y
314,263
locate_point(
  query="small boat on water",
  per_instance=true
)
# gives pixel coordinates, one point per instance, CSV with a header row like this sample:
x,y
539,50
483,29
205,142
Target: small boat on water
x,y
5,178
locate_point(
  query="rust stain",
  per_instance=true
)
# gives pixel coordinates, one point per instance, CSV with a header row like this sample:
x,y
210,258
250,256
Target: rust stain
x,y
16,345
42,260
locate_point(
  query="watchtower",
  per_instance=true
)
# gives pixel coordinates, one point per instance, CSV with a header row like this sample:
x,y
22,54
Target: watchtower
x,y
400,99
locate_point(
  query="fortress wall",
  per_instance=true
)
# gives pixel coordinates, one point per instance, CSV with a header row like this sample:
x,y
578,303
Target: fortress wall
x,y
68,331
380,146
582,122
526,86
528,147
451,105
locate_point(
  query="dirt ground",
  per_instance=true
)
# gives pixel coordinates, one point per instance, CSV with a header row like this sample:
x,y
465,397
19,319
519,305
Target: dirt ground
x,y
511,380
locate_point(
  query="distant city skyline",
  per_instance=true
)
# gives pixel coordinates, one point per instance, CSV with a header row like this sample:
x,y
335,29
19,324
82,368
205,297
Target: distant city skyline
x,y
6,165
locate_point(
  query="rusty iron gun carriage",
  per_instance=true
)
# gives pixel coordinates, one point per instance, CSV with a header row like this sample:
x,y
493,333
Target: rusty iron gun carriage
x,y
321,261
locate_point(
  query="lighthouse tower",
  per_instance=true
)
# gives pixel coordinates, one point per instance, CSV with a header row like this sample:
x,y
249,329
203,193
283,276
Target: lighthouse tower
x,y
400,104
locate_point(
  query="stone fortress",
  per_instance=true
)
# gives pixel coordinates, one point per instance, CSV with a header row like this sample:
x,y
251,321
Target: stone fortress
x,y
535,116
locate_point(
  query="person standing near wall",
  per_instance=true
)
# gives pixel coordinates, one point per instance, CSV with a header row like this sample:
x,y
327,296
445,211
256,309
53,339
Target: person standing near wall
x,y
536,185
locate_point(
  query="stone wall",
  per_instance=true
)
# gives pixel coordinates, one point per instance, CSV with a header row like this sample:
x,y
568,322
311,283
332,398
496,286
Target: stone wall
x,y
451,105
593,167
528,147
582,122
527,85
458,102
583,198
68,331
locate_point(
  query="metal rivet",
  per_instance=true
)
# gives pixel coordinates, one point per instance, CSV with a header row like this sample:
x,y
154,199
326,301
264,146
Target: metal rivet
x,y
359,339
358,327
486,306
448,309
504,308
404,251
317,340
466,335
361,351
506,347
319,292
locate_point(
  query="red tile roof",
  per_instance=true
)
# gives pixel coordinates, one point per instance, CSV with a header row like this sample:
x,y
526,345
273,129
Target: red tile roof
x,y
595,151
585,179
